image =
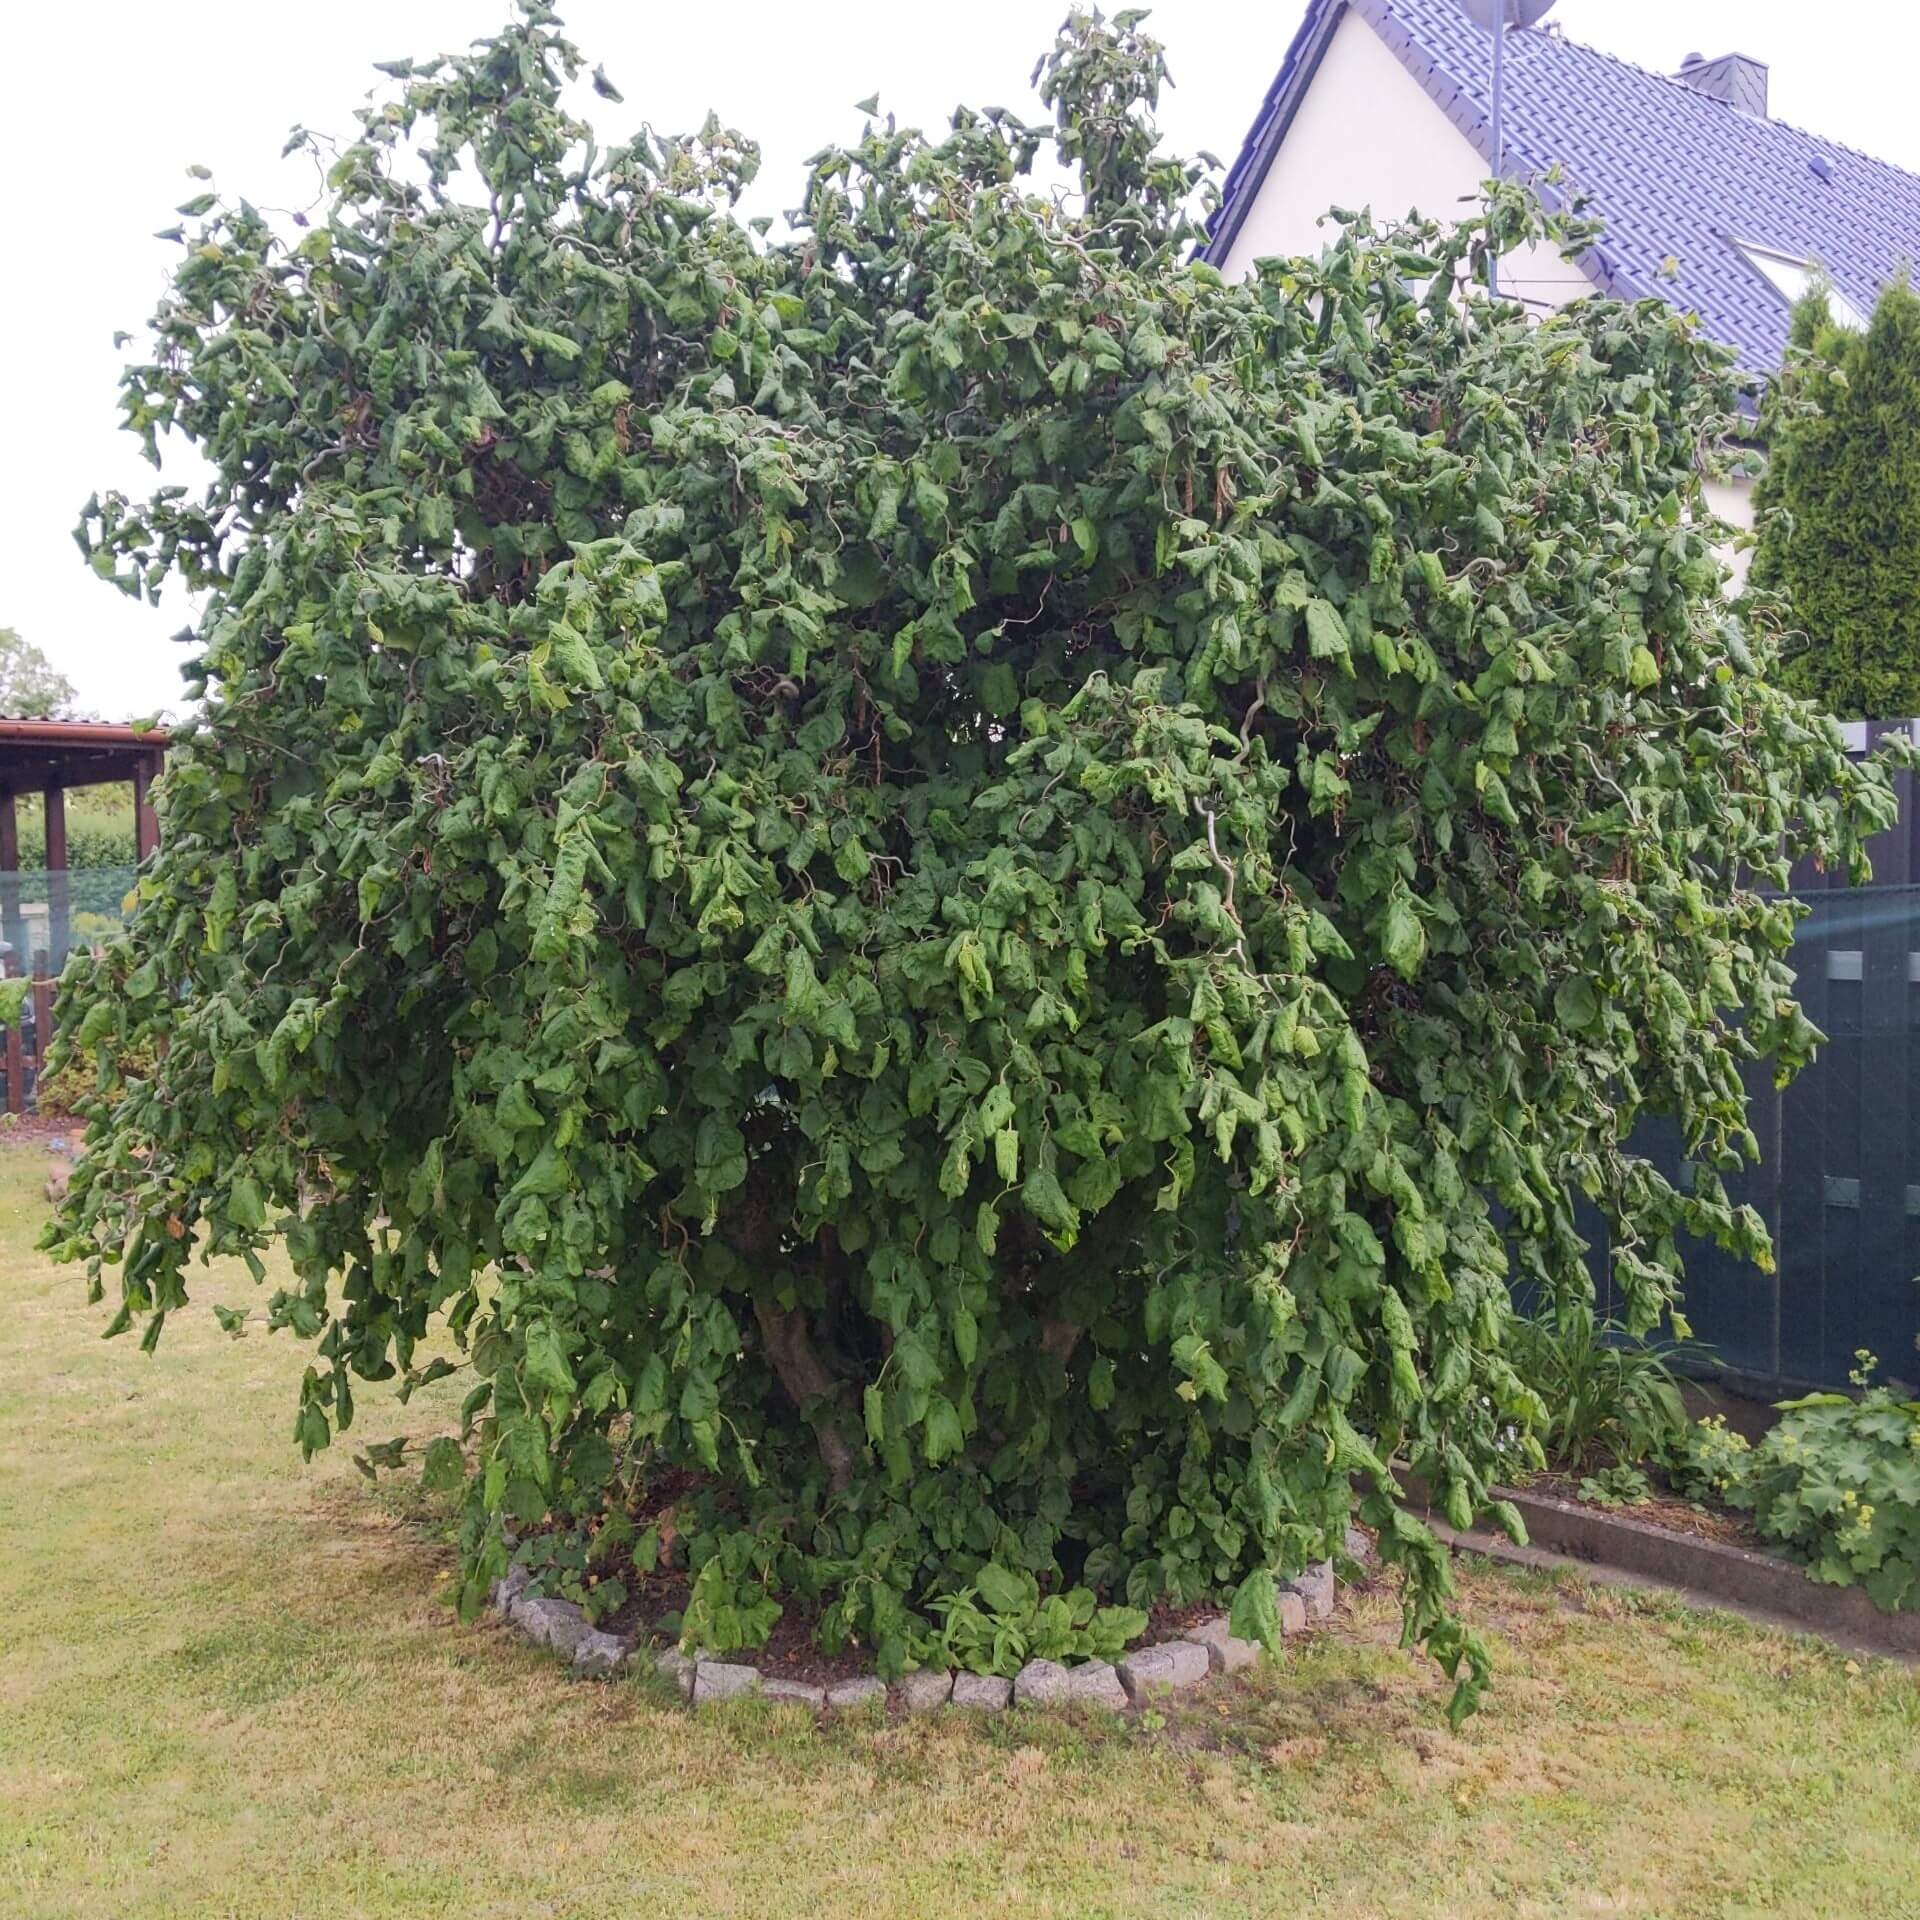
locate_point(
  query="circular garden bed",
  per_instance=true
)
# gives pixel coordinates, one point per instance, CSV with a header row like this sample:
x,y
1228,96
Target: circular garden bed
x,y
1179,1652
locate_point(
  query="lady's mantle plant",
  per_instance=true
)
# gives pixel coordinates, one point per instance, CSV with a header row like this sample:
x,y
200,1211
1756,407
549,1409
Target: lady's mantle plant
x,y
1837,1482
938,867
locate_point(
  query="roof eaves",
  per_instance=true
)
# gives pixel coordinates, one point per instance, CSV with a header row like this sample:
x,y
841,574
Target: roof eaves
x,y
1249,170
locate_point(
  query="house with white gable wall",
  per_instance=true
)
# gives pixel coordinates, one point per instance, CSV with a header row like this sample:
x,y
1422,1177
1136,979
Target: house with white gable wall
x,y
1705,201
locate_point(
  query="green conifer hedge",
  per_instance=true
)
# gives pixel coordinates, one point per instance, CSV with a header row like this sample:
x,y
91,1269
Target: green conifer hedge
x,y
1839,509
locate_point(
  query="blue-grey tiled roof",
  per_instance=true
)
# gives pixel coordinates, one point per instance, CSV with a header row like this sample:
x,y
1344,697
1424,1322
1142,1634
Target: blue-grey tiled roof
x,y
1675,175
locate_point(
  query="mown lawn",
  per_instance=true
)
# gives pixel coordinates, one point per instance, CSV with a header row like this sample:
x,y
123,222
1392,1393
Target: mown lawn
x,y
229,1687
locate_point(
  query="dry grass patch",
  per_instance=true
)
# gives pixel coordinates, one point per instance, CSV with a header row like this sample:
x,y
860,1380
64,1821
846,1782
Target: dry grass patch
x,y
229,1687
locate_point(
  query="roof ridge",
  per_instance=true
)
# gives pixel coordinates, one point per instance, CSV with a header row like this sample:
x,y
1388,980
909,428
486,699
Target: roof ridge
x,y
1672,80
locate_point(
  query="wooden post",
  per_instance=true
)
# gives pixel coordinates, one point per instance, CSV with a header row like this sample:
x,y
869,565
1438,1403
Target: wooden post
x,y
16,1071
58,898
13,928
146,823
42,1025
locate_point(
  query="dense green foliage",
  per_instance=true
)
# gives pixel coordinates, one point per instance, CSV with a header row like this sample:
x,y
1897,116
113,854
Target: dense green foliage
x,y
926,879
67,1089
1839,509
1609,1397
31,686
1835,1481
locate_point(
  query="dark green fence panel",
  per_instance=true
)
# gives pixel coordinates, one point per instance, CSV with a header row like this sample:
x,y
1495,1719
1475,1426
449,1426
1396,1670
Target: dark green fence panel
x,y
1839,1178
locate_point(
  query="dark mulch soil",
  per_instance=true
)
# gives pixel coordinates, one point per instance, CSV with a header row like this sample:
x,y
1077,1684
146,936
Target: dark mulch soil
x,y
1666,1510
791,1651
1169,1623
789,1654
37,1130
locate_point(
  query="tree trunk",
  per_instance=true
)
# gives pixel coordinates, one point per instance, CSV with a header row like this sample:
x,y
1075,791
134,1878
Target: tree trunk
x,y
1058,1338
813,1390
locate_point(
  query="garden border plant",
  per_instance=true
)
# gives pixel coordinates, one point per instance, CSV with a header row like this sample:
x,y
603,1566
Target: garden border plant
x,y
935,879
1834,1483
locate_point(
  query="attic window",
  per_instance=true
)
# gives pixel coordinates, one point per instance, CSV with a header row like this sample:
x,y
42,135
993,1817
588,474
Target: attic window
x,y
1793,279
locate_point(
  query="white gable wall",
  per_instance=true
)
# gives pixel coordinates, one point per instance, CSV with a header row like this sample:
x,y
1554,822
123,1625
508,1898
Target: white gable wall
x,y
1367,135
1732,500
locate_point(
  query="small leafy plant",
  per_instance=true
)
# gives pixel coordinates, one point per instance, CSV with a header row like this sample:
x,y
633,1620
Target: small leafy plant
x,y
732,1603
1616,1486
1002,1620
1607,1394
1706,1462
1837,1483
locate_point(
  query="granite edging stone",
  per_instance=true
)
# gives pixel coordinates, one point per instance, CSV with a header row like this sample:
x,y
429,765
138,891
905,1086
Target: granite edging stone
x,y
1207,1648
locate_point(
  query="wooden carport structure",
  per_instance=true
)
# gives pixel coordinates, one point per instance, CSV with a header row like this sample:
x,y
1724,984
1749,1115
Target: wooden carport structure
x,y
47,757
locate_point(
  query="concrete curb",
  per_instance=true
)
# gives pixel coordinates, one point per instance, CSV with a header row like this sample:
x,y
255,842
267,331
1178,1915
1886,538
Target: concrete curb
x,y
1703,1570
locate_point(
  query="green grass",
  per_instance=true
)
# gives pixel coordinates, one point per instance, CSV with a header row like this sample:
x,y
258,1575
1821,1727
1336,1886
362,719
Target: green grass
x,y
229,1687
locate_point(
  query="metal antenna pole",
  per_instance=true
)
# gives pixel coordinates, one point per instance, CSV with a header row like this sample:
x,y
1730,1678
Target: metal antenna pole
x,y
1499,126
1496,16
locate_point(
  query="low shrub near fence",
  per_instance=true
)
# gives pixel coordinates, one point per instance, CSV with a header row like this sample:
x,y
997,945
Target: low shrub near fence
x,y
1837,1484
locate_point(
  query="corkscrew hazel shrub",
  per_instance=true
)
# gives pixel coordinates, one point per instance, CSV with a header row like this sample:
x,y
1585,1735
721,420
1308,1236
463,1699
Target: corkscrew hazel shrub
x,y
934,871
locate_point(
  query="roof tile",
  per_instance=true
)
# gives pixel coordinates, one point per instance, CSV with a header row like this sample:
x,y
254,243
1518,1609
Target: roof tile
x,y
1674,175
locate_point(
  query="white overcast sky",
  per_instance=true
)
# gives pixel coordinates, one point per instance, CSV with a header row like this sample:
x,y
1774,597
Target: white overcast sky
x,y
104,104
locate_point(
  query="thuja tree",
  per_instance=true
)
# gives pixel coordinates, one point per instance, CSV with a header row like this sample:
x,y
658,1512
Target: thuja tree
x,y
934,880
1840,508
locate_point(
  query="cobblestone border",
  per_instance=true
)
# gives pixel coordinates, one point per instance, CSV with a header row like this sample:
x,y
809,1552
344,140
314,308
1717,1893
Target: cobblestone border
x,y
1140,1676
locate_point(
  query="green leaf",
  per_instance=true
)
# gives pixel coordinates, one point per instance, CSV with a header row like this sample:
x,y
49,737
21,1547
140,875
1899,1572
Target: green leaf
x,y
1327,634
999,690
1403,940
547,1358
244,1205
1003,1591
1100,1384
1006,1154
1042,1196
1575,1002
444,1467
943,1435
1193,1355
1255,1614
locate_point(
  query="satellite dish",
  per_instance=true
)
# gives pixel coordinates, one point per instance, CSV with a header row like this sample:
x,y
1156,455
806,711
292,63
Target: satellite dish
x,y
1512,13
